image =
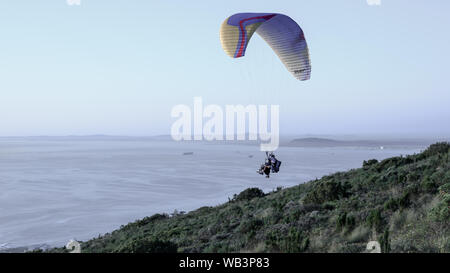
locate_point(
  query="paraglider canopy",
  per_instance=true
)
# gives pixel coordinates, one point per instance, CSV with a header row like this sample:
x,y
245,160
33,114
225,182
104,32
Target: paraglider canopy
x,y
283,35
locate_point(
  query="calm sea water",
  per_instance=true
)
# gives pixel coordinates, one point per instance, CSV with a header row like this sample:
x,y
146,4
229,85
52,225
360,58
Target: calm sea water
x,y
53,190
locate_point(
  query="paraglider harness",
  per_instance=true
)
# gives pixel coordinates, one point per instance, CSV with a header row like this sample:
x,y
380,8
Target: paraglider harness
x,y
275,163
271,164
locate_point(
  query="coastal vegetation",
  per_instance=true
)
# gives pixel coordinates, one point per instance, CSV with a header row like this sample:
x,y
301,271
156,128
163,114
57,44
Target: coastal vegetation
x,y
401,202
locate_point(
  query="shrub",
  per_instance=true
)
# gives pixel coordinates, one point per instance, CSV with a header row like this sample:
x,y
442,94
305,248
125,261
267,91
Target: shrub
x,y
428,185
398,220
294,242
275,217
345,221
438,148
367,164
153,218
445,188
340,221
389,162
329,206
144,245
441,212
327,190
350,222
249,225
374,219
249,194
403,201
277,205
359,235
391,204
385,242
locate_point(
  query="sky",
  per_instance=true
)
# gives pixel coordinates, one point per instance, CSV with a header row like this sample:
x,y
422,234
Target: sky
x,y
119,67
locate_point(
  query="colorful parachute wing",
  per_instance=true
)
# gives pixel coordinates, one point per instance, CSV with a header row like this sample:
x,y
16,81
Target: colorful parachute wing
x,y
282,34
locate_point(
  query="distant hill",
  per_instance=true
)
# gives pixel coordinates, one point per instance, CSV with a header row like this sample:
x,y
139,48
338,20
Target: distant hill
x,y
401,202
325,142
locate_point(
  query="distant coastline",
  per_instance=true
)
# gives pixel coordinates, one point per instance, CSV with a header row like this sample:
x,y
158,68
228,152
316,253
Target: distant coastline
x,y
327,142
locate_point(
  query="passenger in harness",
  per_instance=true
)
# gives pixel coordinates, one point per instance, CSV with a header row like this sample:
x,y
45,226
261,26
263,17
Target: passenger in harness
x,y
265,168
271,163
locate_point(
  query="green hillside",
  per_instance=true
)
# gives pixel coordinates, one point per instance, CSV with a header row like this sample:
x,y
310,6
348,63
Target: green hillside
x,y
402,202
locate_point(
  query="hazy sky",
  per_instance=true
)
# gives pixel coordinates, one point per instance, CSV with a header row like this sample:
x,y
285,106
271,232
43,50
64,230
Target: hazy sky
x,y
118,67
